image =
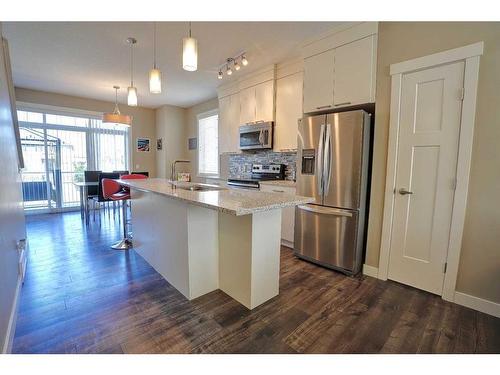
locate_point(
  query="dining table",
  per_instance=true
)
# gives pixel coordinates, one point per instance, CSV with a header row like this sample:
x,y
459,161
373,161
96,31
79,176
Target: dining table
x,y
84,188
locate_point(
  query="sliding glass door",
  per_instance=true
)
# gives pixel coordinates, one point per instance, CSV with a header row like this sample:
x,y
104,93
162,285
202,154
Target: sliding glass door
x,y
58,149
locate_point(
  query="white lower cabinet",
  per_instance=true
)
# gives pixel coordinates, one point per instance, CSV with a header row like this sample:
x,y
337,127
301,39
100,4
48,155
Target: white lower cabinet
x,y
288,213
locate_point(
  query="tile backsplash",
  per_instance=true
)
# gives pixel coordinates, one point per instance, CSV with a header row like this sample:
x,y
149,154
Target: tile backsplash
x,y
240,165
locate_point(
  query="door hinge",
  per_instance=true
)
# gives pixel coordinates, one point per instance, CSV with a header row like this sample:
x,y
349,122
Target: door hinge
x,y
462,93
445,267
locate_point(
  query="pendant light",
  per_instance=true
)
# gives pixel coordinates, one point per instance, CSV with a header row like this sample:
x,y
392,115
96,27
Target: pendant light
x,y
189,53
116,117
132,90
155,73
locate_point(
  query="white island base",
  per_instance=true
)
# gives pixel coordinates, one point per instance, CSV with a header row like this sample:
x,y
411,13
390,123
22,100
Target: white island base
x,y
199,250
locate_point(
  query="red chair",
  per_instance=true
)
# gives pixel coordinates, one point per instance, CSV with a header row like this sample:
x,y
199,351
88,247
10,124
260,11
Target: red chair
x,y
112,190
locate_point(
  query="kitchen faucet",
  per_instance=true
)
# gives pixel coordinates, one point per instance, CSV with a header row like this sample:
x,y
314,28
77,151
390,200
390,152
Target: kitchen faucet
x,y
172,168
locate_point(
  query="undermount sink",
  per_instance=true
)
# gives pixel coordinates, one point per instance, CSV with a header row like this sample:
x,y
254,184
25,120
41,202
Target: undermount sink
x,y
196,186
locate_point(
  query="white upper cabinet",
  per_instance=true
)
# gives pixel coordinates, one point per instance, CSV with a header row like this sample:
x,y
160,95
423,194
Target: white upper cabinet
x,y
318,82
234,116
288,111
247,105
257,103
229,113
354,73
339,70
264,101
224,123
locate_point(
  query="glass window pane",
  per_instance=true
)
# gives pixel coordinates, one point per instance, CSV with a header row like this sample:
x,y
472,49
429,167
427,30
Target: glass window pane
x,y
208,145
66,120
26,116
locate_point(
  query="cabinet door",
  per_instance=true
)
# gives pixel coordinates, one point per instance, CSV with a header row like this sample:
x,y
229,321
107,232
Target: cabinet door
x,y
234,123
224,123
318,82
288,111
287,213
247,105
354,73
264,101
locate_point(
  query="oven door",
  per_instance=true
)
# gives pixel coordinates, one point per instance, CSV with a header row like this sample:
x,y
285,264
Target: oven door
x,y
256,137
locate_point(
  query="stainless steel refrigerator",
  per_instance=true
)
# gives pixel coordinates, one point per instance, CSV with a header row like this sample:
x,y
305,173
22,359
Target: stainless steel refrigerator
x,y
333,153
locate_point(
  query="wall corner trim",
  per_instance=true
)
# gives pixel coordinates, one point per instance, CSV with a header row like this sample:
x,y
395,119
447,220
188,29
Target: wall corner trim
x,y
479,304
370,270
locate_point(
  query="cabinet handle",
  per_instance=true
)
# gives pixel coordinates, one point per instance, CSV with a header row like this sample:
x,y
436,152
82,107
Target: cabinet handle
x,y
345,103
324,106
278,191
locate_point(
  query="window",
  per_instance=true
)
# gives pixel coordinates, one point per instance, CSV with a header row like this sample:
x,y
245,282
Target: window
x,y
208,144
59,147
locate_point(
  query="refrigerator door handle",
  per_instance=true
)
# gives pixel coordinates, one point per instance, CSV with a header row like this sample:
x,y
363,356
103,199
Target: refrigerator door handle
x,y
320,160
325,210
327,161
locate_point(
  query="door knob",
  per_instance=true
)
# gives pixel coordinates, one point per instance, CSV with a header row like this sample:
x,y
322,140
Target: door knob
x,y
403,191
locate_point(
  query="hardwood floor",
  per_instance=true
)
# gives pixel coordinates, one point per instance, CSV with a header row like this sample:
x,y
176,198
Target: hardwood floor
x,y
82,297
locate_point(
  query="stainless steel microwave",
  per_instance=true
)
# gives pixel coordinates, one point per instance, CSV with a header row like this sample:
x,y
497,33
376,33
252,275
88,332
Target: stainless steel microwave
x,y
258,135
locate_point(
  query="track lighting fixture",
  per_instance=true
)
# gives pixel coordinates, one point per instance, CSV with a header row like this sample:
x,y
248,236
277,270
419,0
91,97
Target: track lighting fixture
x,y
244,60
232,63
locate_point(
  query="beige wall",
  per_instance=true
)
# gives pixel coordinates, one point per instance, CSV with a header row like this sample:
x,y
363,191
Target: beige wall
x,y
12,227
479,272
171,127
192,130
143,121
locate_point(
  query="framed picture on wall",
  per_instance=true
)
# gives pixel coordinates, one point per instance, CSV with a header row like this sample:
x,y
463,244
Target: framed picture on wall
x,y
143,144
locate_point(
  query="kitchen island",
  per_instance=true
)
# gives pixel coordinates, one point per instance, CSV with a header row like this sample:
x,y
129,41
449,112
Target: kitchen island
x,y
201,238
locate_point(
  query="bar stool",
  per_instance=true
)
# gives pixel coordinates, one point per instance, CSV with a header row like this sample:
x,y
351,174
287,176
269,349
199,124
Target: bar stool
x,y
114,191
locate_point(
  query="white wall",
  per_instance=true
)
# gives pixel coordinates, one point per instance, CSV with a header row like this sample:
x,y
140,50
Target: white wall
x,y
12,225
171,128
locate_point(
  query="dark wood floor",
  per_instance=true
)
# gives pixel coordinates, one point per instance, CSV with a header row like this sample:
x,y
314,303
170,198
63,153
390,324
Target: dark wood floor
x,y
82,297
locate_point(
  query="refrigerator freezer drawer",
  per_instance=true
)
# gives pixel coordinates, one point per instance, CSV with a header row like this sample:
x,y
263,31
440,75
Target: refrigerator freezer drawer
x,y
328,236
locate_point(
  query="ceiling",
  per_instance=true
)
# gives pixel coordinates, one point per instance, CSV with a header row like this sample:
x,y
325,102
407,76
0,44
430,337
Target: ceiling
x,y
87,58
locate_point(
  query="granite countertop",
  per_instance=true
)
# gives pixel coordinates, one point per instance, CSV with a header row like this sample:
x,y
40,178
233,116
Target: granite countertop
x,y
232,201
284,183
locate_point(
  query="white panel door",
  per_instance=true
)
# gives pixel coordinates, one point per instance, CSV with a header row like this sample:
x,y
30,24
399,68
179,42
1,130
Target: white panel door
x,y
288,111
318,82
354,73
247,105
264,101
429,123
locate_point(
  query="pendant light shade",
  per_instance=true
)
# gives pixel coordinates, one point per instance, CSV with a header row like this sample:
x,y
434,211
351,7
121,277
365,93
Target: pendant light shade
x,y
116,117
155,73
190,53
132,96
155,81
132,90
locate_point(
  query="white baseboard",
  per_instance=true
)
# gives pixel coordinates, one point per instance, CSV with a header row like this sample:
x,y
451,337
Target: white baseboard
x,y
479,304
287,243
11,328
370,270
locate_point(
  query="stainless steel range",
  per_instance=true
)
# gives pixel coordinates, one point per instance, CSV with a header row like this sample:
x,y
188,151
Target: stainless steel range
x,y
260,172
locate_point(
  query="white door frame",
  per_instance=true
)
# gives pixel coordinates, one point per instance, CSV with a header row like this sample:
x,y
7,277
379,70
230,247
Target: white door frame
x,y
470,54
